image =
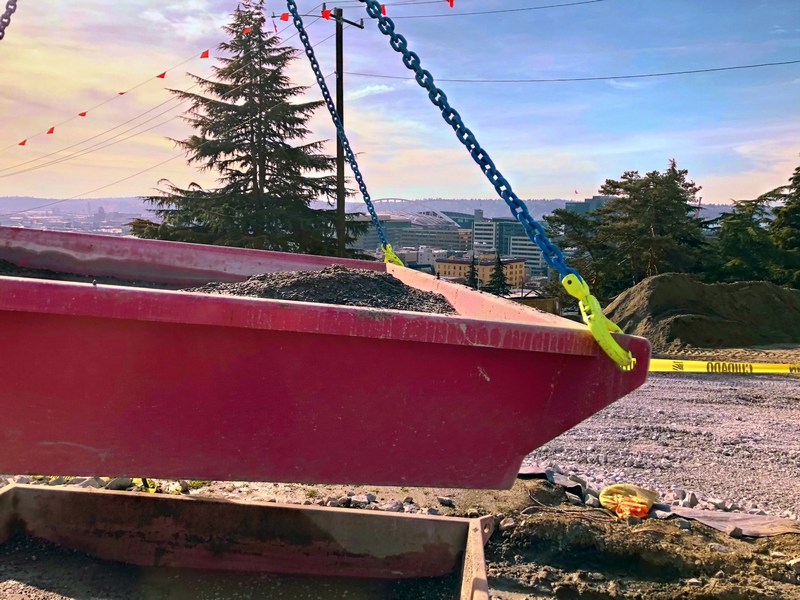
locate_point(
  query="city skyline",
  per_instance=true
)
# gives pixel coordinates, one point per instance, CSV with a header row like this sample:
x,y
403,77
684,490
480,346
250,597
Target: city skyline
x,y
736,131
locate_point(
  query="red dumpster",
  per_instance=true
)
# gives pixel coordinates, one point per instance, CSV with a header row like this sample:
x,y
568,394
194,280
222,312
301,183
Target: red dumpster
x,y
112,380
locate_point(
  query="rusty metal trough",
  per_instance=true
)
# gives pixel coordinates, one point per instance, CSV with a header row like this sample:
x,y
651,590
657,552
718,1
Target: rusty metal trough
x,y
176,532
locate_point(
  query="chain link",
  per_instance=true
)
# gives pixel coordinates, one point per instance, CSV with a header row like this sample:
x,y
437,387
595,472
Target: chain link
x,y
351,158
533,229
5,19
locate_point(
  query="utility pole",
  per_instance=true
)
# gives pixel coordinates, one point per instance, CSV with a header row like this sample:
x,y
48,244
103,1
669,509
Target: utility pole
x,y
340,191
340,195
339,19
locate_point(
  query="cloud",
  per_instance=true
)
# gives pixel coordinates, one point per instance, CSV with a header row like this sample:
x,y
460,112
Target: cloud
x,y
369,90
627,84
188,20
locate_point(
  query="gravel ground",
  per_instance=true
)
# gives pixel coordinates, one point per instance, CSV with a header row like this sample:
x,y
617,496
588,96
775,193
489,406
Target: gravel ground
x,y
728,437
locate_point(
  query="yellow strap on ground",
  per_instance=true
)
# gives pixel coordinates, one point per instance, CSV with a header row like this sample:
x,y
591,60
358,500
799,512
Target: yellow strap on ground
x,y
390,257
600,326
664,365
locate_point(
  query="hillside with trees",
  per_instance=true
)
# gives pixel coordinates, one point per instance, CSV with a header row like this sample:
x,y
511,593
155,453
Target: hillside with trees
x,y
652,226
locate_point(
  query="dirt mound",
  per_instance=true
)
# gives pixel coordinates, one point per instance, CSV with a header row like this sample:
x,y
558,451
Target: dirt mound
x,y
675,310
335,285
576,553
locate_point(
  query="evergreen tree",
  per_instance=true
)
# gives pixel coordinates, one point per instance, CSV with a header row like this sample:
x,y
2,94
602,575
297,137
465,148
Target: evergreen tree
x,y
785,228
744,248
576,233
498,283
650,223
647,227
251,134
472,274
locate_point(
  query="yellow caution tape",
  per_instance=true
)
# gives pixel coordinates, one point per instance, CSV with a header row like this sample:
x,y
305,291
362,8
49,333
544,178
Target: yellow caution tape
x,y
664,365
390,257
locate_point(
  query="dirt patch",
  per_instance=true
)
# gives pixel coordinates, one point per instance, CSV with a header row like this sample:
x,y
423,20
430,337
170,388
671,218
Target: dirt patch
x,y
675,311
544,546
335,284
33,569
570,552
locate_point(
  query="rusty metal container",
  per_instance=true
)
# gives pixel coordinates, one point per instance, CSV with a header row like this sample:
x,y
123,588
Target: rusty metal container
x,y
167,533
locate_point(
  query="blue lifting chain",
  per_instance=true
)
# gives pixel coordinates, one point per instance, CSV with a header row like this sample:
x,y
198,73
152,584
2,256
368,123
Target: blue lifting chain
x,y
388,254
600,326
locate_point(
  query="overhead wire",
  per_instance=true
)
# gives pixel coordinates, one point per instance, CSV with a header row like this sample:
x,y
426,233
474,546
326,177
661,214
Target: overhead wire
x,y
100,146
80,143
350,3
495,12
597,78
354,3
116,96
103,144
143,170
96,106
113,183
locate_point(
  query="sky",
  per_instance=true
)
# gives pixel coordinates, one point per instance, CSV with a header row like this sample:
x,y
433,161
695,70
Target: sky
x,y
736,131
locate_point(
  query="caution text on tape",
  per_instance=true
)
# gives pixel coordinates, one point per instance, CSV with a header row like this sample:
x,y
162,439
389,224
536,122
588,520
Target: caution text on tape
x,y
663,365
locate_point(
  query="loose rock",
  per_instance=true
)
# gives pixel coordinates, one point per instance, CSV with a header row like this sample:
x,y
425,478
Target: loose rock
x,y
335,284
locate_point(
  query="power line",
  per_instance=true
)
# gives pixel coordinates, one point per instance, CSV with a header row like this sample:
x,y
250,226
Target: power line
x,y
113,183
76,144
100,145
353,3
599,78
116,96
358,3
96,106
494,12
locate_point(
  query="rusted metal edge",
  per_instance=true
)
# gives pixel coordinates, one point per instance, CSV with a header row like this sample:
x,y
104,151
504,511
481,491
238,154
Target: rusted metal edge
x,y
207,533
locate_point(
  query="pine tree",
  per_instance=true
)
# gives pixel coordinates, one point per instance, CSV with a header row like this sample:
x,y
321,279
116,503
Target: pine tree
x,y
785,228
472,274
651,222
745,251
498,283
647,227
252,135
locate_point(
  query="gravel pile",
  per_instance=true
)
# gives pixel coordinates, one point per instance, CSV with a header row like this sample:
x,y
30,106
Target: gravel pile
x,y
335,285
721,442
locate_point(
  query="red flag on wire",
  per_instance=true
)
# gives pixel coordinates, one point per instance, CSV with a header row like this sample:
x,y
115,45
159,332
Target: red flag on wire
x,y
284,16
161,75
121,93
275,26
23,142
51,131
450,2
246,30
326,14
82,114
204,54
383,9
